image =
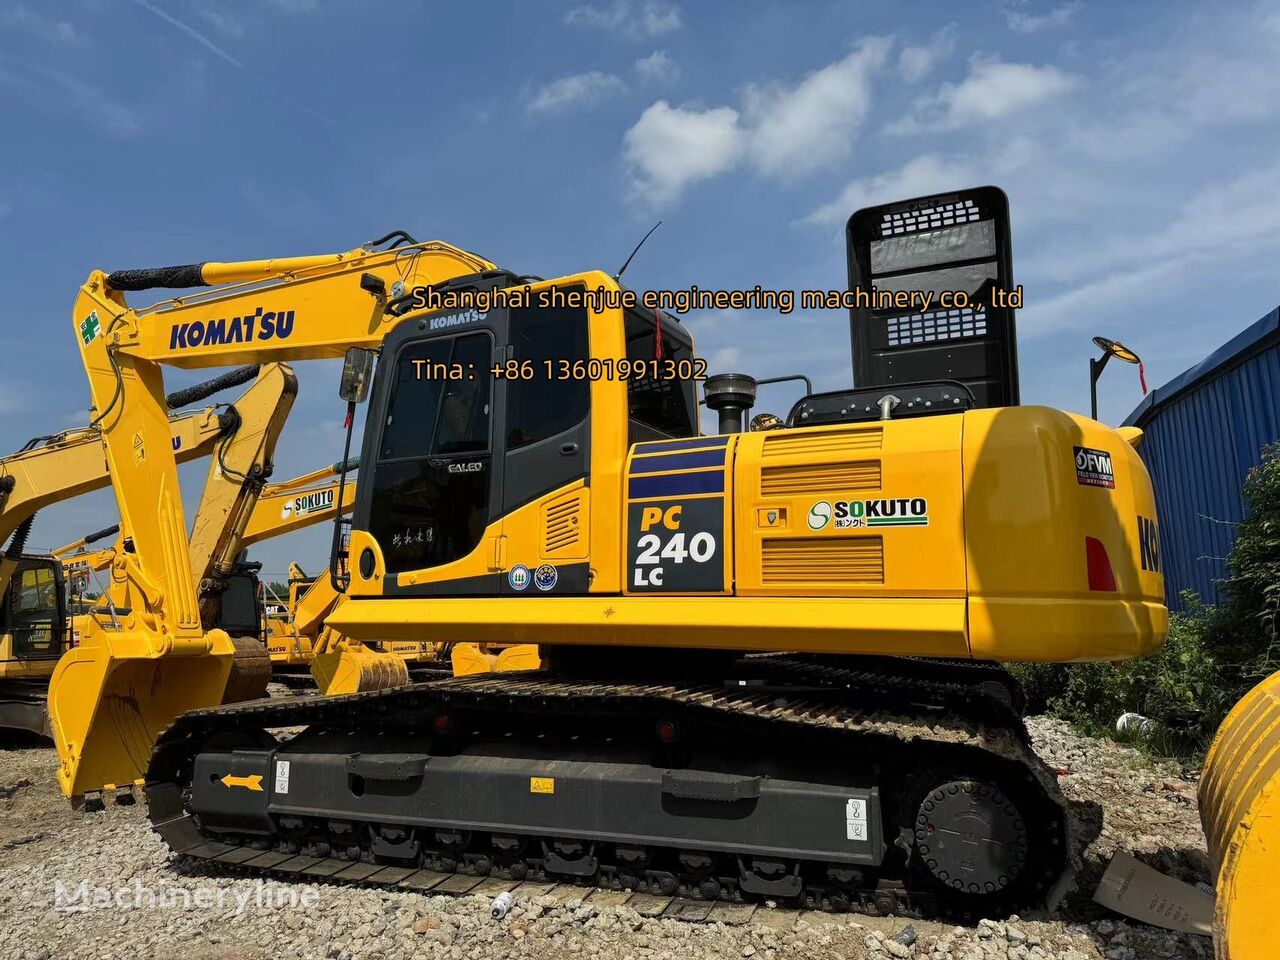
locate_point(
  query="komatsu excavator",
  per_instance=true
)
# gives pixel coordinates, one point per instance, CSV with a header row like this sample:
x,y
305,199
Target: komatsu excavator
x,y
769,654
34,618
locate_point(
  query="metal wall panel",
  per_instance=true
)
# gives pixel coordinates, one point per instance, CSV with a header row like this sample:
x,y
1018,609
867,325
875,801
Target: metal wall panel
x,y
1202,437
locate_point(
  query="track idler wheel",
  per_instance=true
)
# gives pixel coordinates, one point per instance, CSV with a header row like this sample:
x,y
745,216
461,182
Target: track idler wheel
x,y
970,837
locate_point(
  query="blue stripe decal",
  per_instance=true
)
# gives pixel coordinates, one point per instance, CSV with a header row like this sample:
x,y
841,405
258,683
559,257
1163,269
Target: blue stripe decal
x,y
679,461
676,484
675,446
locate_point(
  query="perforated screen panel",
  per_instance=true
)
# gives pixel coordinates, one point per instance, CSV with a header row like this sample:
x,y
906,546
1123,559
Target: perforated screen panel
x,y
903,257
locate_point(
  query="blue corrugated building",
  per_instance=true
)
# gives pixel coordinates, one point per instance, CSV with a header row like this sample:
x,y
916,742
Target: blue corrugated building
x,y
1204,430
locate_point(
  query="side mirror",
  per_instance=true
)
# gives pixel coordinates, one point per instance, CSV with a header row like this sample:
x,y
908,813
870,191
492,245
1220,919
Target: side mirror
x,y
357,372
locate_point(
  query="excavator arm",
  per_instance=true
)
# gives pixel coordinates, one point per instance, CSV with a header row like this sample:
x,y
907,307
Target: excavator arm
x,y
295,504
51,469
237,474
109,699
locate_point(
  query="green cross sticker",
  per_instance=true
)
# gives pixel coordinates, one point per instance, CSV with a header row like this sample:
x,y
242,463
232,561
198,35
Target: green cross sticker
x,y
90,327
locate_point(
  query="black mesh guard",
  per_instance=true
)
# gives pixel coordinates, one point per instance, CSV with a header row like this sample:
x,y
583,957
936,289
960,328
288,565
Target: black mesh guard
x,y
151,278
944,242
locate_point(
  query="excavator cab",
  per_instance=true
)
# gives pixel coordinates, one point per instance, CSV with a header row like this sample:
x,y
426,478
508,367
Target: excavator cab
x,y
475,418
33,634
33,616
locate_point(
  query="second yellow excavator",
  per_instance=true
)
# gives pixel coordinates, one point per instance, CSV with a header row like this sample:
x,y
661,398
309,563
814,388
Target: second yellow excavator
x,y
35,625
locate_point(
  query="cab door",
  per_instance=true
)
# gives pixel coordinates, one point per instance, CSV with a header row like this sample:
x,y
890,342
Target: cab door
x,y
545,441
432,498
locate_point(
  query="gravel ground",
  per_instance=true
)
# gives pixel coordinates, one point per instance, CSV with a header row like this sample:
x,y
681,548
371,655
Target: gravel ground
x,y
1121,801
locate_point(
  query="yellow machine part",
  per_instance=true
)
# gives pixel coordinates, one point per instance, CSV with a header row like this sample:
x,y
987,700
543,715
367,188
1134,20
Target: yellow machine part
x,y
1016,558
285,646
470,658
342,666
111,697
1240,812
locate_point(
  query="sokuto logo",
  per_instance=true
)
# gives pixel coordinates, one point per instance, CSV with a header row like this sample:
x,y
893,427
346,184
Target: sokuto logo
x,y
819,515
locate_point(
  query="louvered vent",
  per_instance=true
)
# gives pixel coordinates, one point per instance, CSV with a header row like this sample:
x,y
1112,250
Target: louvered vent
x,y
789,480
821,443
562,526
822,561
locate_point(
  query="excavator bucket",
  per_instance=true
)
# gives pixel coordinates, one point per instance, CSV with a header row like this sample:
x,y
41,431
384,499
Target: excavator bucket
x,y
346,666
250,671
1240,812
471,658
108,704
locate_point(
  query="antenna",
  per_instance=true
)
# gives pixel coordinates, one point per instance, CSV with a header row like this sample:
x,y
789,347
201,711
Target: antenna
x,y
622,269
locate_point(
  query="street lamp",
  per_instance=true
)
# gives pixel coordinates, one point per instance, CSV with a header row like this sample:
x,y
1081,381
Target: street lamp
x,y
1110,348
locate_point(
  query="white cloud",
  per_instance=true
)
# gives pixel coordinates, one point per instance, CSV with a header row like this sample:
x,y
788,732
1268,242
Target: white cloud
x,y
1229,222
917,62
811,125
781,130
58,31
992,90
652,18
657,67
670,148
1020,21
576,90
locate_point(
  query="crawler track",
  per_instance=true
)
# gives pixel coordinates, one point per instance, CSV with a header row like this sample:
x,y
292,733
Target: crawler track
x,y
923,748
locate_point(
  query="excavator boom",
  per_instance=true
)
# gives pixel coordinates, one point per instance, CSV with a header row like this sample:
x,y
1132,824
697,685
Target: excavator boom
x,y
109,699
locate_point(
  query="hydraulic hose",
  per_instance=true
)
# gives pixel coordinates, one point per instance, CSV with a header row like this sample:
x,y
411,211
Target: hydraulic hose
x,y
151,278
194,394
102,534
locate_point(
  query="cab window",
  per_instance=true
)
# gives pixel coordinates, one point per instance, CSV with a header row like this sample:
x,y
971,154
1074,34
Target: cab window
x,y
546,404
658,407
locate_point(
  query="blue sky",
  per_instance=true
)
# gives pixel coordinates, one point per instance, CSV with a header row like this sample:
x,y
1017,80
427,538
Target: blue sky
x,y
1137,142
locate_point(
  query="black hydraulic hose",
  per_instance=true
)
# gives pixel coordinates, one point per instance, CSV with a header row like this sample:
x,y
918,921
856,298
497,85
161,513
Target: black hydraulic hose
x,y
102,534
346,466
232,378
151,278
400,237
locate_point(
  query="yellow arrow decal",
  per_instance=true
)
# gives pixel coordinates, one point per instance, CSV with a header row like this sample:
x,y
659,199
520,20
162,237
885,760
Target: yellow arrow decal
x,y
249,783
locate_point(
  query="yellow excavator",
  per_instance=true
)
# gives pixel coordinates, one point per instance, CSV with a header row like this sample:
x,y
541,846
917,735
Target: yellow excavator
x,y
35,629
770,656
1240,812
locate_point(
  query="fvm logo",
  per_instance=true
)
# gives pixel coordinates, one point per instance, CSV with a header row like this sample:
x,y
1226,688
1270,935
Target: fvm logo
x,y
1149,544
